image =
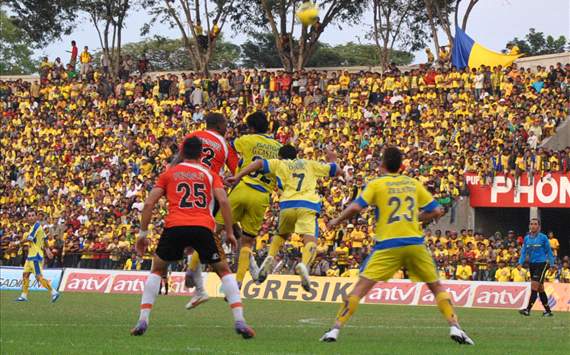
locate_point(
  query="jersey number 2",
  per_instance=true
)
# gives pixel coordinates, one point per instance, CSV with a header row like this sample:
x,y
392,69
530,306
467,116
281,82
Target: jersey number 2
x,y
194,195
396,203
208,156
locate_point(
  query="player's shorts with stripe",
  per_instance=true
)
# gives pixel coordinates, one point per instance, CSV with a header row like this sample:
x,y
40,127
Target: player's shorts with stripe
x,y
298,220
174,240
33,266
248,208
537,271
382,264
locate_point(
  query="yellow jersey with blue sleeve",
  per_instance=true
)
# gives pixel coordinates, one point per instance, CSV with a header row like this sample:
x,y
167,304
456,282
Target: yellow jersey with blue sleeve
x,y
297,181
36,238
252,147
252,196
398,200
299,202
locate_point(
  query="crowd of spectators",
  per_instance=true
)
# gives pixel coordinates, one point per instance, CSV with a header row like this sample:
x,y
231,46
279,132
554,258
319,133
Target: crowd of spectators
x,y
84,148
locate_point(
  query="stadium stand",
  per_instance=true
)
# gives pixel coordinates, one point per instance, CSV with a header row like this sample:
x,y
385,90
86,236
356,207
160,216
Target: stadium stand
x,y
85,149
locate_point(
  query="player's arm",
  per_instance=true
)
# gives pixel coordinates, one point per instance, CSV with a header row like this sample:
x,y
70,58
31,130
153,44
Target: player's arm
x,y
548,250
355,207
232,161
226,210
428,216
146,215
352,209
256,165
429,207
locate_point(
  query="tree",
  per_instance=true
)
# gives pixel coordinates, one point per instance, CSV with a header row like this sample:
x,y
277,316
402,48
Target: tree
x,y
398,21
15,51
165,54
43,21
438,12
258,52
188,16
108,17
278,16
535,43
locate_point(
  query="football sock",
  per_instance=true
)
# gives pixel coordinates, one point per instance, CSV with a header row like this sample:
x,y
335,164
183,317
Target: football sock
x,y
532,299
231,290
544,300
444,304
151,287
243,263
45,283
194,261
276,244
346,310
25,287
308,253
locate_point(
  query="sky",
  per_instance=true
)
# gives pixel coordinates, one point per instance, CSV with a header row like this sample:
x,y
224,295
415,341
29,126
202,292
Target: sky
x,y
492,23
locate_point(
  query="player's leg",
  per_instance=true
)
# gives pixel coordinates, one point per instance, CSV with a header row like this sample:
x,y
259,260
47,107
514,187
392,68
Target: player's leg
x,y
420,265
25,282
212,253
194,278
306,225
542,294
535,276
170,248
43,281
287,219
379,266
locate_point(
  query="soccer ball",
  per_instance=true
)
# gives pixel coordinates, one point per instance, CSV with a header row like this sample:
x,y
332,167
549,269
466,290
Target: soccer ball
x,y
307,13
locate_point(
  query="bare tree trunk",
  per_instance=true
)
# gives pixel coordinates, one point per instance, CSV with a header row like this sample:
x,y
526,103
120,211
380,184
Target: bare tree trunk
x,y
470,7
432,25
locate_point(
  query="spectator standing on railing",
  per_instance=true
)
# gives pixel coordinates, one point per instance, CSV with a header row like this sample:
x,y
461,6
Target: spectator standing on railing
x,y
85,63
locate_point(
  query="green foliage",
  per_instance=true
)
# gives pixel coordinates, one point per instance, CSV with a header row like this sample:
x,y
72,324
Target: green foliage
x,y
43,20
535,43
166,54
15,49
259,52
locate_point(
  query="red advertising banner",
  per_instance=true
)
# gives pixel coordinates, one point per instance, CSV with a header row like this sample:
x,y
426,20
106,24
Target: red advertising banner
x,y
549,191
508,295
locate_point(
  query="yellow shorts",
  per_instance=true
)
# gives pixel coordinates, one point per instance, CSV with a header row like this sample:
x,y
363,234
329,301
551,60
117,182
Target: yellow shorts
x,y
33,266
248,208
383,264
298,220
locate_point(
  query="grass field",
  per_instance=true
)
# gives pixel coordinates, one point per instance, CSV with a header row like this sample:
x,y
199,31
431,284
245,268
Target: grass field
x,y
97,324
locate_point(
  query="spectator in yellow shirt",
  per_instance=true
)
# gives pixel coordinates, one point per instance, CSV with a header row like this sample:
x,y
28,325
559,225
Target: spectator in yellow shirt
x,y
464,271
565,273
554,243
519,274
132,263
503,273
551,274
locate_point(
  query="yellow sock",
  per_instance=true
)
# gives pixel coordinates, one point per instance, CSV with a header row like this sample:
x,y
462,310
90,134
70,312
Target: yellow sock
x,y
194,261
444,304
308,253
243,263
45,283
347,310
25,285
276,244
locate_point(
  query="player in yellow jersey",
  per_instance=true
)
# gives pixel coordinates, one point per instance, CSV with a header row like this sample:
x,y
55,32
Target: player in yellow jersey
x,y
299,203
36,238
251,197
401,204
